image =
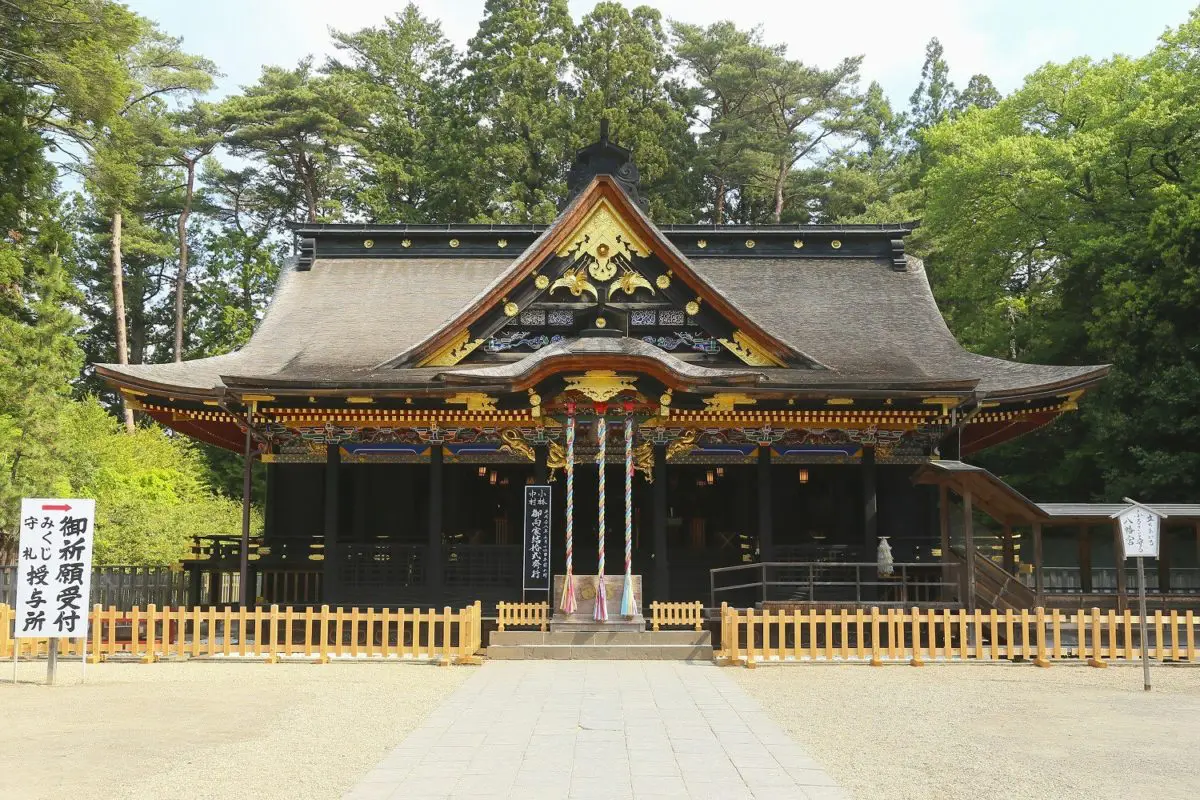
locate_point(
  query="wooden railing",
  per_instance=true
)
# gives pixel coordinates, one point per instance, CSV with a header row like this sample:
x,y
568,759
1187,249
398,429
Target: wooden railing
x,y
272,634
511,615
677,615
123,586
916,636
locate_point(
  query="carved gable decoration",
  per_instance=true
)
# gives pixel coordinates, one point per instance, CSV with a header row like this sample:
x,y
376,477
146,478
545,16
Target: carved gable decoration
x,y
603,264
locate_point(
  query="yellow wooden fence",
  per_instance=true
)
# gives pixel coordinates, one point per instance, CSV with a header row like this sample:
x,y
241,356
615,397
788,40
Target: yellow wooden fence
x,y
917,636
512,615
678,615
273,634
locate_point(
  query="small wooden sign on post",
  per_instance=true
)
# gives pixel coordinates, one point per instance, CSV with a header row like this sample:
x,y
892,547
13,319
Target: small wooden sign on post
x,y
1139,539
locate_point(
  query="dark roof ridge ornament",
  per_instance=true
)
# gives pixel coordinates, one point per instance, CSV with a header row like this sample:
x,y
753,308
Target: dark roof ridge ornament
x,y
604,158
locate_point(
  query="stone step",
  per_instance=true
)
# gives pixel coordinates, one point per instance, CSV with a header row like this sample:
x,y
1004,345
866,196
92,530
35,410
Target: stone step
x,y
605,645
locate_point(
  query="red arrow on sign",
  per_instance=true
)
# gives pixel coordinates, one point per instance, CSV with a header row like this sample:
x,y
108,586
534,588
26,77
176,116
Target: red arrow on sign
x,y
63,507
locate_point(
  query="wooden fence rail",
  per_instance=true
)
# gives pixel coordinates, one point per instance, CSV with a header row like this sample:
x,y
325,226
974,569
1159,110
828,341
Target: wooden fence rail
x,y
677,615
511,615
272,634
895,636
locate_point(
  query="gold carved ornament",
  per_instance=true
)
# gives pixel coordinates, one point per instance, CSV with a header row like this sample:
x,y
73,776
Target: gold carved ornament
x,y
603,235
643,460
725,401
454,352
683,445
556,458
474,401
514,443
749,351
576,282
600,385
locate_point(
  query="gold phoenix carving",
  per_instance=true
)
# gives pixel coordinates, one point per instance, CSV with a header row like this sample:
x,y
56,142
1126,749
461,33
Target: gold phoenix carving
x,y
603,235
683,445
601,384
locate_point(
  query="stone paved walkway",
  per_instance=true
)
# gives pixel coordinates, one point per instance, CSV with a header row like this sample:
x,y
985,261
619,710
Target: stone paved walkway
x,y
541,730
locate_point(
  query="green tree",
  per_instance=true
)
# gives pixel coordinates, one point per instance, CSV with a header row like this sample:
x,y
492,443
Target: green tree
x,y
1066,216
516,64
621,68
418,161
302,127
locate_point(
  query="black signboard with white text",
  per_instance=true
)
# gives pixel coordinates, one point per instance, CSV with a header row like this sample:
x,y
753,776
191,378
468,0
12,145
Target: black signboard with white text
x,y
537,539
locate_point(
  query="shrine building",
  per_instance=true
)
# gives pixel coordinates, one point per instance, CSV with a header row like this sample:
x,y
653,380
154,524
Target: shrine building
x,y
791,396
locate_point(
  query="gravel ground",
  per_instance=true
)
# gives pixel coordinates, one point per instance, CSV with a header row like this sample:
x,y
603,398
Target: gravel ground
x,y
207,730
1008,731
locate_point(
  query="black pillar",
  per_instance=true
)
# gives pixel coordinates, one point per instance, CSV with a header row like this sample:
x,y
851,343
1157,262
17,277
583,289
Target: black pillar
x,y
541,455
361,504
433,561
870,503
332,560
764,503
662,574
244,568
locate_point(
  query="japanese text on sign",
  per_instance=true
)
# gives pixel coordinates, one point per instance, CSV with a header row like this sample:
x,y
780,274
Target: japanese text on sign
x,y
537,538
54,569
1139,532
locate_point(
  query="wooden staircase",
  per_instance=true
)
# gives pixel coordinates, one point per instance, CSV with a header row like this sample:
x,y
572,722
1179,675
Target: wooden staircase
x,y
995,587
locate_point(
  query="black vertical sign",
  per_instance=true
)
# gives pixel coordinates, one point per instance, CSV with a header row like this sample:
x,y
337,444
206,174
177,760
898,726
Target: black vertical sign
x,y
537,538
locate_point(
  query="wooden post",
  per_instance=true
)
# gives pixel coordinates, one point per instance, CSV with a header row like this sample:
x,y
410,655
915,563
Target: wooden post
x,y
244,595
944,528
1119,561
1038,579
969,549
332,561
1085,560
541,456
434,557
662,571
870,502
1010,550
764,503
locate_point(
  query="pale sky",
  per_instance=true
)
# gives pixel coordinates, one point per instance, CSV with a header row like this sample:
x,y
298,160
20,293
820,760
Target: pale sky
x,y
1006,39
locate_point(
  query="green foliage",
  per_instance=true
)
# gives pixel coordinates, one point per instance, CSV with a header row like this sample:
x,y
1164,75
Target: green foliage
x,y
1066,219
150,488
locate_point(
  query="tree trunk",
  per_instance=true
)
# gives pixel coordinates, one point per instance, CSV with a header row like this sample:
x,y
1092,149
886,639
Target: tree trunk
x,y
118,279
780,179
181,277
719,213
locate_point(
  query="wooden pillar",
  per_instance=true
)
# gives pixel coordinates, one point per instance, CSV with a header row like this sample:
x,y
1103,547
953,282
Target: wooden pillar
x,y
1122,593
541,455
944,531
662,571
765,545
244,594
1010,550
434,556
362,529
969,549
333,561
870,503
1085,560
1039,585
269,507
1164,561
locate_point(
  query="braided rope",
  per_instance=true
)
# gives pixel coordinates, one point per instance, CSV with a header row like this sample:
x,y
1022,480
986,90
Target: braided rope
x,y
568,598
601,613
628,603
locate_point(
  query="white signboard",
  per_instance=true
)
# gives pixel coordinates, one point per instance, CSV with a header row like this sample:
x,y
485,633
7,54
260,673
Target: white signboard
x,y
54,570
1139,532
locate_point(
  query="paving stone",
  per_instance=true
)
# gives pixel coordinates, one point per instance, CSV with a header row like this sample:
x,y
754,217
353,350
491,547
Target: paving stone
x,y
598,729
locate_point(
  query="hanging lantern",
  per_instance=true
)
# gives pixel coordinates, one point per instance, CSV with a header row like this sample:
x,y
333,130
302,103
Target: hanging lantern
x,y
483,472
492,477
720,472
710,477
803,475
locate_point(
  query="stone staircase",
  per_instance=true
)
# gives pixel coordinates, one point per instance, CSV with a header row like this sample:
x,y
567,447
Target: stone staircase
x,y
601,644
